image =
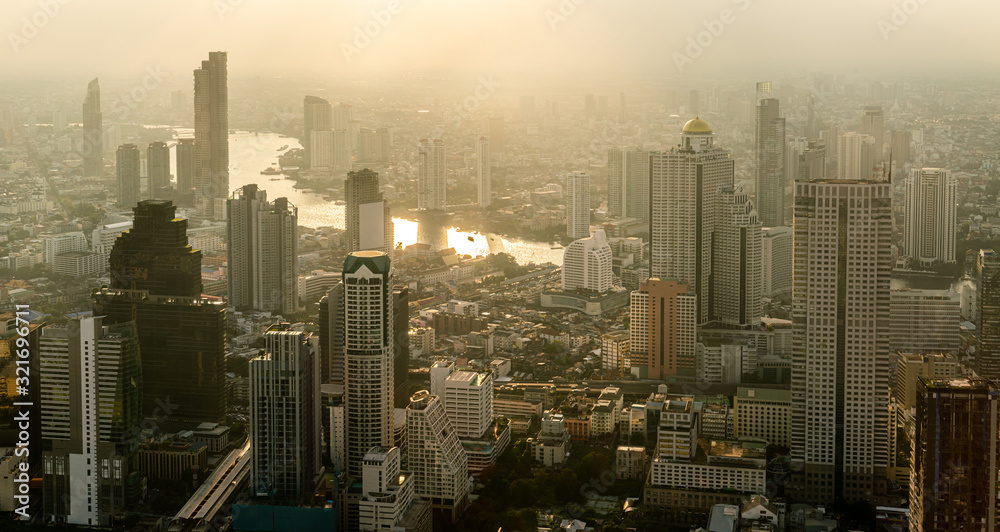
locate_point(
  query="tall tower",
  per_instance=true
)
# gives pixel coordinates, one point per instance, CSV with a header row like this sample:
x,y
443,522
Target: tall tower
x,y
318,116
157,168
211,135
578,205
185,167
663,329
628,183
770,182
262,252
401,344
93,131
435,455
91,412
483,173
840,347
431,185
736,268
367,216
873,123
156,282
285,416
127,170
988,314
856,156
929,223
956,456
368,343
495,132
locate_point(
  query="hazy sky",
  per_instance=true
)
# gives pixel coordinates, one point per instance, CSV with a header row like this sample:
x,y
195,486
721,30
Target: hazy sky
x,y
764,38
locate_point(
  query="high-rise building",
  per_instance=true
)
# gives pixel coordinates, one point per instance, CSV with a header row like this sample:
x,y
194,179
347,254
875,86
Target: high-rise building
x,y
211,135
431,177
587,264
900,148
285,416
621,107
873,123
929,223
840,351
770,181
435,455
343,115
368,343
628,183
91,412
262,252
317,116
185,166
856,156
127,170
64,243
692,206
736,267
495,132
401,344
157,168
387,499
156,282
663,329
468,402
776,261
367,216
483,173
331,335
578,204
925,321
988,314
812,162
93,131
956,456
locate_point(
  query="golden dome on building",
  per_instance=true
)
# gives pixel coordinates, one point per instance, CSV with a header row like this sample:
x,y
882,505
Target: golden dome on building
x,y
696,125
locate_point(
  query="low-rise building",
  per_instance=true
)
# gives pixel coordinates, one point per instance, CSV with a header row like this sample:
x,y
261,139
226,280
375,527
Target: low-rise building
x,y
170,460
763,413
631,462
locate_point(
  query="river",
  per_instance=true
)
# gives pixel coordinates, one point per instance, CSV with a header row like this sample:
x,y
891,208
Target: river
x,y
250,153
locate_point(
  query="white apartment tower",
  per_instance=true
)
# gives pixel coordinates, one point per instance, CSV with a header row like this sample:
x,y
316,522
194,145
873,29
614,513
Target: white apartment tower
x,y
578,204
483,172
431,185
468,401
436,456
856,156
368,348
840,325
387,499
587,264
262,252
929,223
285,424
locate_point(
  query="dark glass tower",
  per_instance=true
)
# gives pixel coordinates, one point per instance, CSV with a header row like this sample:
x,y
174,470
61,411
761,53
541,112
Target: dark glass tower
x,y
156,282
185,171
93,131
317,116
157,168
127,170
401,353
211,135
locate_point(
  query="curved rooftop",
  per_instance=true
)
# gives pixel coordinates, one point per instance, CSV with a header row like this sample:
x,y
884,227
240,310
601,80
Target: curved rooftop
x,y
696,125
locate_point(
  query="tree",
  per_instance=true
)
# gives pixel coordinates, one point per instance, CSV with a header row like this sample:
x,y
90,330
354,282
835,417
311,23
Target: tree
x,y
555,347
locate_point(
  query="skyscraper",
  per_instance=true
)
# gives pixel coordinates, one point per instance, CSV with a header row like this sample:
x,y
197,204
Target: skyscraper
x,y
157,168
431,185
628,183
495,132
185,166
483,173
856,156
127,170
401,344
262,253
812,161
696,222
663,329
587,264
387,500
93,131
988,314
285,416
956,456
435,455
318,116
840,347
331,335
578,205
929,223
770,182
367,216
211,135
91,390
368,342
873,123
156,282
